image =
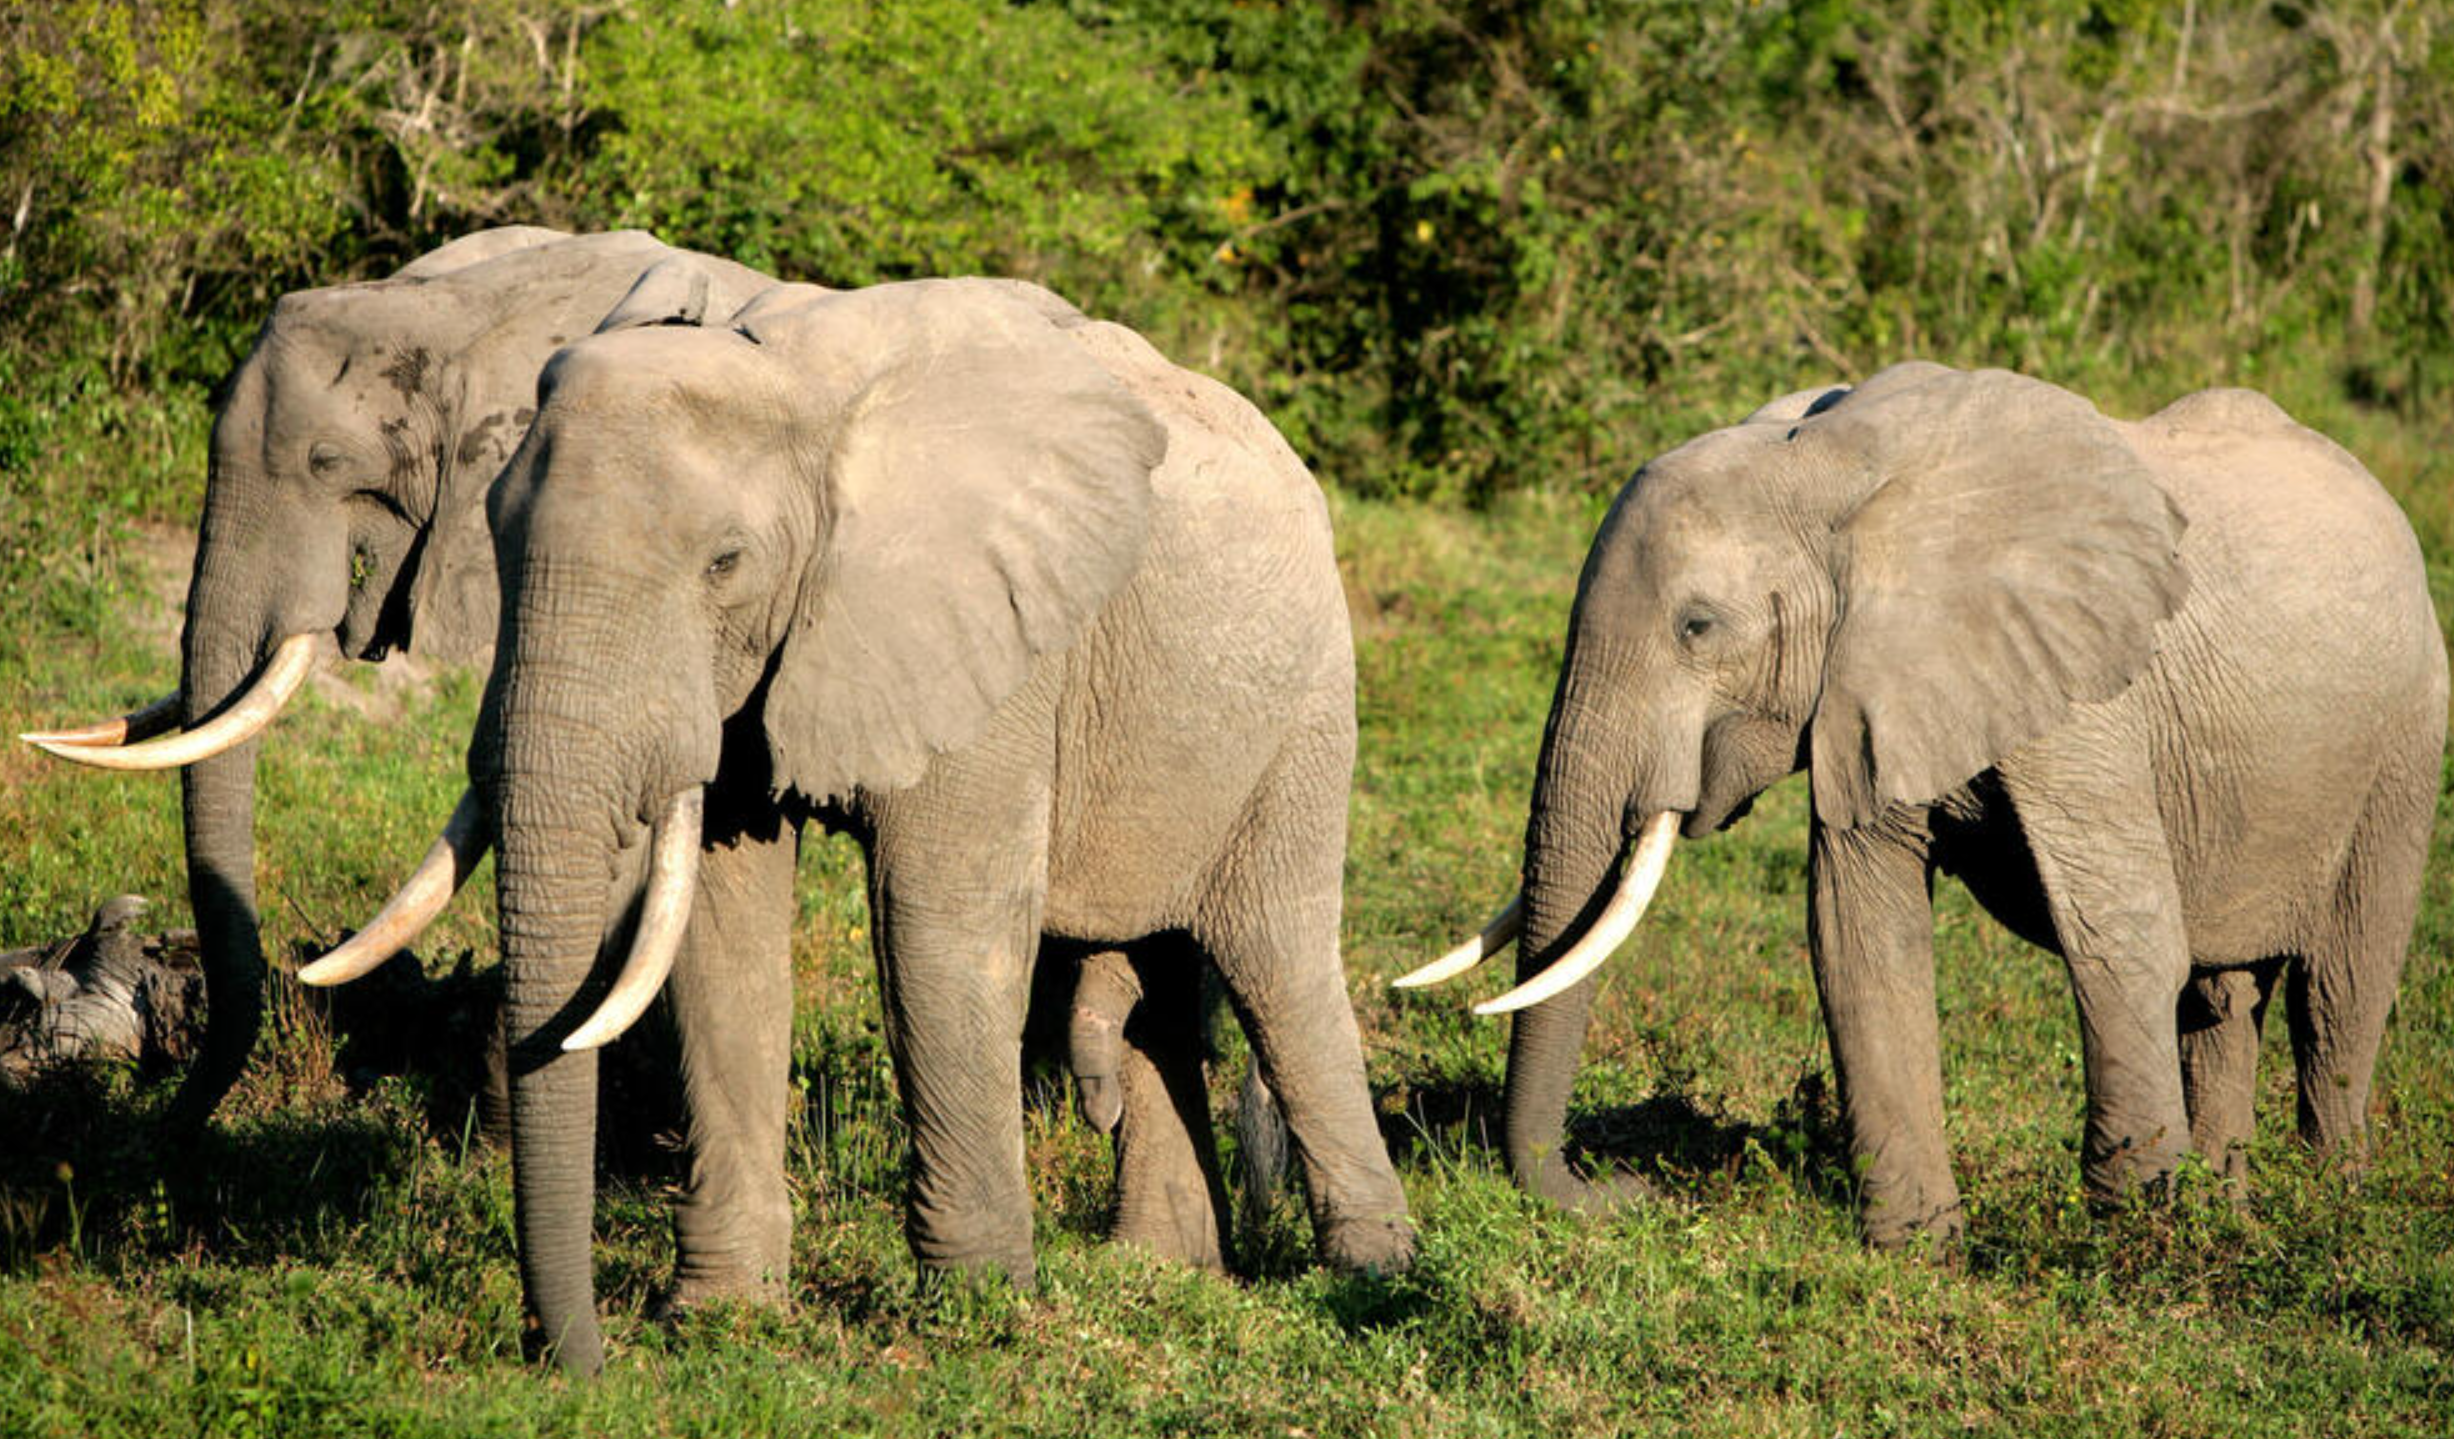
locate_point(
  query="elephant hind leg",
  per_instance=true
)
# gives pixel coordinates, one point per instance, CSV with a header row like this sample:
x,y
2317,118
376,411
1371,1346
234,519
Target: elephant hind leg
x,y
2221,1015
1169,1196
2339,994
1270,923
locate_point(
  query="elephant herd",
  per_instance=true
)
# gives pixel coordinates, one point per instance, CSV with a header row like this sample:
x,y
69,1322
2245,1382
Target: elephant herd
x,y
1053,628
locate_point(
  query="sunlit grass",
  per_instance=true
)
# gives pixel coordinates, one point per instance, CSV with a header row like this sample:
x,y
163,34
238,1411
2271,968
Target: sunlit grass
x,y
338,1258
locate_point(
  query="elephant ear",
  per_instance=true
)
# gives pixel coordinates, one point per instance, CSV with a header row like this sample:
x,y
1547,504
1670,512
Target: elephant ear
x,y
985,487
2013,559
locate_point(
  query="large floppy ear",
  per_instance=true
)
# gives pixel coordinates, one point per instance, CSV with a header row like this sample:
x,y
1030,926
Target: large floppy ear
x,y
2012,557
985,487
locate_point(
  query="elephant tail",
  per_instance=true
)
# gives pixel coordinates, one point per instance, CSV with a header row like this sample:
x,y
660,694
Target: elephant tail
x,y
1261,1148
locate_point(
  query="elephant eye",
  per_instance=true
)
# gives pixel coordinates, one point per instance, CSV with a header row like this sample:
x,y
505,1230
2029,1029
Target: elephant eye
x,y
325,458
1695,625
723,564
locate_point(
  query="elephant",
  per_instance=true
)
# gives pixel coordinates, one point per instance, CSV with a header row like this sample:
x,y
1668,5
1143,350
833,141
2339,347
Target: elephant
x,y
2167,696
344,496
1052,627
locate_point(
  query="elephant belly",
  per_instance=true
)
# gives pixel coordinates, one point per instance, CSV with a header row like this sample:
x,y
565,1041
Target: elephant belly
x,y
1217,662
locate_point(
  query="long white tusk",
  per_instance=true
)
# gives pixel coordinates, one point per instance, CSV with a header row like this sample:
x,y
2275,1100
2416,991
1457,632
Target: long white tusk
x,y
1495,937
673,872
1610,928
439,876
238,722
138,724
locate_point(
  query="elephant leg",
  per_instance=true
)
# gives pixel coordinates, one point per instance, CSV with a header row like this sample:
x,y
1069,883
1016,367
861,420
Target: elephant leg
x,y
2221,1015
1271,925
731,994
2088,806
1169,1195
2340,992
957,882
1870,923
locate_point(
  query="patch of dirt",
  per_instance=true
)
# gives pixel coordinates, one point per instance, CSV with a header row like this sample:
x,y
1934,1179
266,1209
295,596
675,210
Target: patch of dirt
x,y
166,556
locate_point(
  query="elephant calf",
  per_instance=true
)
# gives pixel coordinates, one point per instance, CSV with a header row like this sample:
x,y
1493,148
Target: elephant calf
x,y
2168,696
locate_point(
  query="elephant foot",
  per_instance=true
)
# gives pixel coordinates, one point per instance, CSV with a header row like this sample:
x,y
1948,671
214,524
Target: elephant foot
x,y
1893,1229
1603,1194
2129,1172
979,1272
1368,1245
1178,1222
764,1289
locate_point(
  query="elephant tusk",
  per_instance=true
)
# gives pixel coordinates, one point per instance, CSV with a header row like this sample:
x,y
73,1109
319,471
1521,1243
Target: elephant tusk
x,y
1495,937
673,872
137,724
439,876
239,721
1617,921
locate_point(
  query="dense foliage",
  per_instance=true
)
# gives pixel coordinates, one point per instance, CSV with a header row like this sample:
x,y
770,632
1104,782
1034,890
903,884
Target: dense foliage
x,y
1456,246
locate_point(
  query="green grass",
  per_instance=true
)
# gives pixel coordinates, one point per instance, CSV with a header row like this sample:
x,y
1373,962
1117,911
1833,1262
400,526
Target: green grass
x,y
338,1257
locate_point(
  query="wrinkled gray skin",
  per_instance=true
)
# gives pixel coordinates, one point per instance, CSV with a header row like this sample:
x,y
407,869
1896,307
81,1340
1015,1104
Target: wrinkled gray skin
x,y
350,458
1051,626
2168,696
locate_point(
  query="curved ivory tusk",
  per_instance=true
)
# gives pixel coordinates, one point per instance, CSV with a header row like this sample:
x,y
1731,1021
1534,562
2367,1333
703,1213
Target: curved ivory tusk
x,y
1616,922
673,872
439,876
1495,937
239,721
137,724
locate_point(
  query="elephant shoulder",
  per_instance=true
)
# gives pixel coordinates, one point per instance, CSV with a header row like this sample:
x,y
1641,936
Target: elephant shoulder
x,y
2240,442
1218,441
476,248
2230,411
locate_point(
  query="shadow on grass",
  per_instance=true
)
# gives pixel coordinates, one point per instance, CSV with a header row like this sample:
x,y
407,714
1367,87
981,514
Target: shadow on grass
x,y
87,1166
1671,1142
340,1103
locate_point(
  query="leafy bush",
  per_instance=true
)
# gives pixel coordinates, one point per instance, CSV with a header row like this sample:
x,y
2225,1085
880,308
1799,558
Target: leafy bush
x,y
1455,247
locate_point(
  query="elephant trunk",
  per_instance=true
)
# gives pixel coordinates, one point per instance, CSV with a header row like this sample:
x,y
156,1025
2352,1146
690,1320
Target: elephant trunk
x,y
221,647
553,861
1572,843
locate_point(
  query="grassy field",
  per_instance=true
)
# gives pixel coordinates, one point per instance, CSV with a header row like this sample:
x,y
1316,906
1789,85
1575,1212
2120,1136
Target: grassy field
x,y
337,1258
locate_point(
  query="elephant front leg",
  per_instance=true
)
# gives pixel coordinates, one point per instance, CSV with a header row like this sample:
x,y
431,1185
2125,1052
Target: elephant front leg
x,y
731,994
1137,1048
1870,919
2088,807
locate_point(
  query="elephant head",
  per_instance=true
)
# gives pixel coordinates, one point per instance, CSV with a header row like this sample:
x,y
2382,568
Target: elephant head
x,y
791,557
350,456
1893,587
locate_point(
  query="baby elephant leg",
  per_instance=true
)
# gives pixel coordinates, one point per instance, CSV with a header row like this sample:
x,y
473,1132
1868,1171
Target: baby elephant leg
x,y
1137,1044
2221,1015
